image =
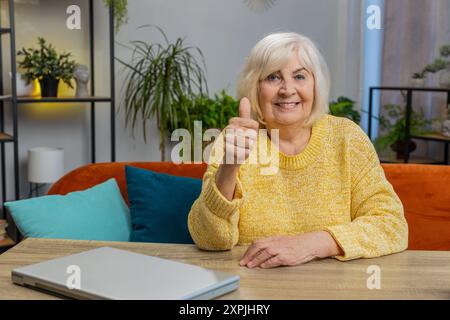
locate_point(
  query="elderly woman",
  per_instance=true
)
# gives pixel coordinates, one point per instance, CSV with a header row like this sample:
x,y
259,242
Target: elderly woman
x,y
328,197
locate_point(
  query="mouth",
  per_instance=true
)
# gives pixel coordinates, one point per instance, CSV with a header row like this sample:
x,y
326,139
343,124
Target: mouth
x,y
287,105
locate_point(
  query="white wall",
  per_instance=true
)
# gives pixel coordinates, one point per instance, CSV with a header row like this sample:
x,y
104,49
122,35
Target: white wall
x,y
225,30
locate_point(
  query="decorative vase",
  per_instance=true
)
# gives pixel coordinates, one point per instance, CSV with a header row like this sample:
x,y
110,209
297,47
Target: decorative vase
x,y
400,147
22,88
49,87
417,82
81,75
446,128
444,78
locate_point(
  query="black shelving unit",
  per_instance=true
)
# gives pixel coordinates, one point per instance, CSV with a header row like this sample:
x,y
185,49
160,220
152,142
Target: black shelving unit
x,y
4,136
16,101
409,98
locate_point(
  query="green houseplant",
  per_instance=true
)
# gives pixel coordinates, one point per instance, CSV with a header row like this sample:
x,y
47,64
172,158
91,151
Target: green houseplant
x,y
418,79
120,12
344,107
161,80
439,64
46,65
213,112
395,126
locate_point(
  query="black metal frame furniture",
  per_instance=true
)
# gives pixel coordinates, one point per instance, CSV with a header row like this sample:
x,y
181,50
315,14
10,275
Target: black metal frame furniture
x,y
16,101
409,97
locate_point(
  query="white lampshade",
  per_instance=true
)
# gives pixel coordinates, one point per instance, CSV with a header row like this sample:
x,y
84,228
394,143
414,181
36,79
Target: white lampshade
x,y
45,164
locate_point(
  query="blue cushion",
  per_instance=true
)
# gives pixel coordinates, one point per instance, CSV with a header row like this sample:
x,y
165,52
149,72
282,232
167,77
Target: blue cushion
x,y
98,213
159,205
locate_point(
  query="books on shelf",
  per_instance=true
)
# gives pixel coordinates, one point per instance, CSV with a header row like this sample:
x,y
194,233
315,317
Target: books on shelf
x,y
3,226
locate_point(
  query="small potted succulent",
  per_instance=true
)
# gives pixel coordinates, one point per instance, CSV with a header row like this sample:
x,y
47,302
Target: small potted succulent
x,y
46,65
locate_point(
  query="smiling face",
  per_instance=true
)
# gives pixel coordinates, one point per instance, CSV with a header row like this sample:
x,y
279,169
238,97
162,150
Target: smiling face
x,y
286,96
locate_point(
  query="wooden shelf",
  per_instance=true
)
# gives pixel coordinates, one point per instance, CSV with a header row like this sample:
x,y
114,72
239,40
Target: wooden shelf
x,y
6,97
5,30
436,89
412,159
4,137
7,242
432,137
61,99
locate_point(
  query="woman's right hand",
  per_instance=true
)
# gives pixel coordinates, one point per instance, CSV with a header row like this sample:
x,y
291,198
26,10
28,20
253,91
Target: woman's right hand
x,y
240,138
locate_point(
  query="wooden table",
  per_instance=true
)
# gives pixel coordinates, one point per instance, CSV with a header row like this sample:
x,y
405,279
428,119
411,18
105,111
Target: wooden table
x,y
406,275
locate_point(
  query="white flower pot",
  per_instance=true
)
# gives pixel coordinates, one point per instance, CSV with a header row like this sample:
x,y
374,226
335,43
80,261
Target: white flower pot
x,y
417,82
446,128
444,78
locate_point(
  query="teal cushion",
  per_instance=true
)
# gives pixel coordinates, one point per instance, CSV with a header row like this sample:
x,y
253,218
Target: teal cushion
x,y
98,213
159,205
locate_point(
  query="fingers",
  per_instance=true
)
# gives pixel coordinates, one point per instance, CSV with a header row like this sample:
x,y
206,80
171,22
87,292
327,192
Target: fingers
x,y
245,108
240,139
244,123
273,262
260,254
240,135
253,251
260,258
238,144
281,251
235,154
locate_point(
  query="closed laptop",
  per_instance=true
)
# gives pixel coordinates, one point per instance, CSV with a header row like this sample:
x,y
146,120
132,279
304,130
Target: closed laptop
x,y
109,273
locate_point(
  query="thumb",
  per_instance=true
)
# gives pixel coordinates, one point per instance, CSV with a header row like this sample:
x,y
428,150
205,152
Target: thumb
x,y
245,108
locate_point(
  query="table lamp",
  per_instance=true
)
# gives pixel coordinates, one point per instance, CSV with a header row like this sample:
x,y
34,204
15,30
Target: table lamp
x,y
45,165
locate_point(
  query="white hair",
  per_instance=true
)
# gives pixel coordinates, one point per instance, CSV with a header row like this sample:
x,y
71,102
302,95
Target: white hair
x,y
271,54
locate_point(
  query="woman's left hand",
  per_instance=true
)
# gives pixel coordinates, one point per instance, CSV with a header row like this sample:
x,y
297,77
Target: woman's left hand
x,y
290,250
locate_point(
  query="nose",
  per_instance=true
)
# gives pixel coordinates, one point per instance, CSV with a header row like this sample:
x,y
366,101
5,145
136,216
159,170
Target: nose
x,y
287,89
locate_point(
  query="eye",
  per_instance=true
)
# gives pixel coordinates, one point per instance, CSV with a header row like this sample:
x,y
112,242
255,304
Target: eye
x,y
300,77
273,77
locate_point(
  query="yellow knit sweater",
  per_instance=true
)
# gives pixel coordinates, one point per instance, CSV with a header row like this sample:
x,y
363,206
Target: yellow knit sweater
x,y
335,184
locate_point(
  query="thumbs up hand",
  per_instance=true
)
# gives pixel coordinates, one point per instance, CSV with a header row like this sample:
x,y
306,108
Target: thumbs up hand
x,y
245,108
240,135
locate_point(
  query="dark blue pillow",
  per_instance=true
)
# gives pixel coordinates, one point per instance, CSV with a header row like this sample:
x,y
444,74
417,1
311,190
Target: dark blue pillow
x,y
159,205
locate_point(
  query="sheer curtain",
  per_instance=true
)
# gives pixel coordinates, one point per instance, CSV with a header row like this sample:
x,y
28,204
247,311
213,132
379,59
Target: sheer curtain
x,y
414,31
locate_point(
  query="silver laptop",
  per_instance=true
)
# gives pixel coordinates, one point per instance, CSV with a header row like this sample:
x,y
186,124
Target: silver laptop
x,y
108,273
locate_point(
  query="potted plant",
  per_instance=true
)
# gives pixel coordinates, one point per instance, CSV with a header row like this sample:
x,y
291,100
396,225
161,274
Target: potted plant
x,y
439,64
446,124
395,125
418,79
343,107
161,80
444,79
46,65
212,112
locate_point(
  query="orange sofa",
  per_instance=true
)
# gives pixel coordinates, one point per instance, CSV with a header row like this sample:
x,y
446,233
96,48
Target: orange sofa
x,y
423,189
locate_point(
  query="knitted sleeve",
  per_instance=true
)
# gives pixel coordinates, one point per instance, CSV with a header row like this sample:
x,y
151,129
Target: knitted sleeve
x,y
213,219
378,225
